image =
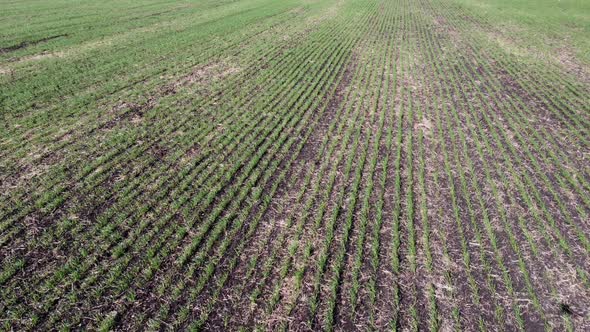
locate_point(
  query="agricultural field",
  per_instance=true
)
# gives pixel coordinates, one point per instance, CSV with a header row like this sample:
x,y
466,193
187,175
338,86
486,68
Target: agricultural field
x,y
295,165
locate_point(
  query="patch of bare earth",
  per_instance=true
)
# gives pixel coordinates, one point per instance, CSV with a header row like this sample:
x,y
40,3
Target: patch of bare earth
x,y
201,75
567,58
445,270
